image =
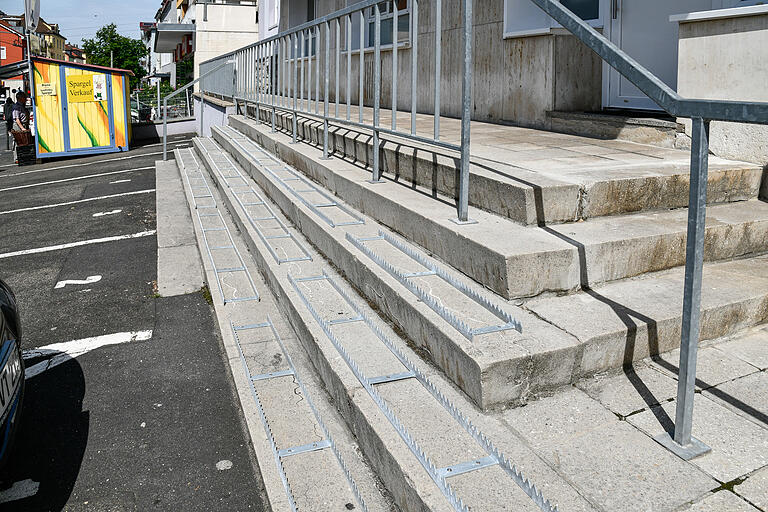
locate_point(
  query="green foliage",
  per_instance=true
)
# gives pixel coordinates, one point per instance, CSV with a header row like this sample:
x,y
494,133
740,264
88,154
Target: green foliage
x,y
126,52
149,94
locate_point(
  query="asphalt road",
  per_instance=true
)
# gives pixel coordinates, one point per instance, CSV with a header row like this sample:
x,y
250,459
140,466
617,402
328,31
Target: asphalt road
x,y
144,424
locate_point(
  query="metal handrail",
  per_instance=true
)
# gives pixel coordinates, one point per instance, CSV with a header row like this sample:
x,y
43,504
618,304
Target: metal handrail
x,y
180,90
681,442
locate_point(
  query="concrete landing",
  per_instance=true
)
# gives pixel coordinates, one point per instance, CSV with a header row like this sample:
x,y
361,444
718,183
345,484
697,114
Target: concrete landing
x,y
533,176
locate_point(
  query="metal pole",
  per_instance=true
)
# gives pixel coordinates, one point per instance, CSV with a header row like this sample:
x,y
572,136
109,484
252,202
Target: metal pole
x,y
317,67
376,91
395,14
158,95
414,59
683,444
295,84
202,106
466,112
274,76
303,65
326,86
338,57
349,65
165,129
362,64
438,59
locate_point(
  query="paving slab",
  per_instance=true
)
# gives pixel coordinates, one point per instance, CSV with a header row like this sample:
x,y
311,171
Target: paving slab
x,y
755,488
609,461
738,445
746,396
722,501
752,348
179,270
630,390
713,366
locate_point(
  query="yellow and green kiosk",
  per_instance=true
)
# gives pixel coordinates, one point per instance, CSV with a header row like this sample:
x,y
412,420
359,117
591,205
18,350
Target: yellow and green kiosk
x,y
80,108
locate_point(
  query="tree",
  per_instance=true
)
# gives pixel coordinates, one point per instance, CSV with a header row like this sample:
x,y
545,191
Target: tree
x,y
126,52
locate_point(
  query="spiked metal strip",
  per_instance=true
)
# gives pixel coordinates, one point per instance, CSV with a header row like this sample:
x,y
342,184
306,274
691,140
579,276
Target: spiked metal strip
x,y
217,271
316,413
429,299
298,177
399,427
265,424
466,424
248,216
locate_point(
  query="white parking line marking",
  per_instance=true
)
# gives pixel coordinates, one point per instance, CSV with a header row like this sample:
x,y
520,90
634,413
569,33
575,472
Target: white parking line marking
x,y
77,244
18,187
118,181
87,280
95,161
102,214
19,491
59,353
146,191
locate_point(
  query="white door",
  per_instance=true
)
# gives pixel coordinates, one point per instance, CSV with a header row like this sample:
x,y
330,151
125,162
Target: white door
x,y
643,30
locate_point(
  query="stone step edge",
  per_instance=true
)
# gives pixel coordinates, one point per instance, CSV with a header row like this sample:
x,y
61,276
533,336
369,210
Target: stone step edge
x,y
394,464
491,377
554,264
559,202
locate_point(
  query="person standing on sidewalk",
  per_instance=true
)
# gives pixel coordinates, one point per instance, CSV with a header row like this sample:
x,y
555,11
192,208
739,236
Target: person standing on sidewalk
x,y
8,116
20,113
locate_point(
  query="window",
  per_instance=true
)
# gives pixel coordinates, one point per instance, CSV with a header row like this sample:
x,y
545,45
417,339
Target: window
x,y
274,14
387,12
2,53
524,18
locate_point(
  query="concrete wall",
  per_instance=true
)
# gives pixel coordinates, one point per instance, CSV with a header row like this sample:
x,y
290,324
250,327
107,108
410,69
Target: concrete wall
x,y
515,80
215,114
727,58
228,28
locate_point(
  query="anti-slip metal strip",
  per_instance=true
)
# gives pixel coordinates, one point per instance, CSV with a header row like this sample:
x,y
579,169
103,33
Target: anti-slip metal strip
x,y
279,454
427,298
438,475
235,138
230,245
261,202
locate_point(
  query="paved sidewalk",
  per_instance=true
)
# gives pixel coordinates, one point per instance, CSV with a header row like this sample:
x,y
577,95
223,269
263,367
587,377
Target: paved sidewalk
x,y
598,433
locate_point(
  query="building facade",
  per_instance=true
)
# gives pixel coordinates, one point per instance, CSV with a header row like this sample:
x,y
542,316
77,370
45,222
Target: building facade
x,y
11,50
74,54
526,67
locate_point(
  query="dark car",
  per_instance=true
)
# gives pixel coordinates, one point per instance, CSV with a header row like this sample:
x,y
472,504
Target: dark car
x,y
11,369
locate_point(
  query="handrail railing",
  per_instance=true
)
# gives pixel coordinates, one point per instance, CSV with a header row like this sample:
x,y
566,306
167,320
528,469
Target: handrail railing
x,y
701,113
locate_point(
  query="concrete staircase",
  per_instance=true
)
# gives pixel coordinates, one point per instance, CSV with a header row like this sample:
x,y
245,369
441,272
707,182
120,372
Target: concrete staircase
x,y
622,275
586,296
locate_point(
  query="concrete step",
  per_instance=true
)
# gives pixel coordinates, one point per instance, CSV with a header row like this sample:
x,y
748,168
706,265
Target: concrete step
x,y
537,177
418,422
527,260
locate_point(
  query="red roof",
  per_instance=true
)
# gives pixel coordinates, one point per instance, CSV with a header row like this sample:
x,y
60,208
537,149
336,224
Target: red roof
x,y
87,66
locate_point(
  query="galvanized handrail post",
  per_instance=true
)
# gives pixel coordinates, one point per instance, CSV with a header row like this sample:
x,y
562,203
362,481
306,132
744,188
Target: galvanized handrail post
x,y
326,86
202,106
682,443
414,61
438,63
317,66
274,75
349,66
395,15
466,117
338,59
362,65
376,91
295,84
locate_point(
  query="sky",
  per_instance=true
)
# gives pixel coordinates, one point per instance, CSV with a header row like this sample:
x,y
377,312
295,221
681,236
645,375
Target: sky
x,y
79,19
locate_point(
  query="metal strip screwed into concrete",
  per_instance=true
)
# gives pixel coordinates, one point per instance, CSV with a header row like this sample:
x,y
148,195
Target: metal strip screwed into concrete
x,y
279,454
295,176
261,202
429,299
438,475
185,169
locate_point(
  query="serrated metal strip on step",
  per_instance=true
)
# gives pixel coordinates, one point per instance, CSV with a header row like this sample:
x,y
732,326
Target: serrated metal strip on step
x,y
217,272
249,189
413,446
526,485
279,454
295,176
429,299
